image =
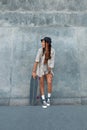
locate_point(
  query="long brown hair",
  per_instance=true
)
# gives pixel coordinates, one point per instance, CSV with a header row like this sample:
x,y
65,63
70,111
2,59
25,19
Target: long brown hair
x,y
47,52
47,49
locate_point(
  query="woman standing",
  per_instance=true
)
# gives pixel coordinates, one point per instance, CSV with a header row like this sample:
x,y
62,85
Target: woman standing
x,y
44,63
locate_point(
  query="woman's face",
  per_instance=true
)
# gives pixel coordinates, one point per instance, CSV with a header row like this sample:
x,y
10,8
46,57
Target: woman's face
x,y
43,44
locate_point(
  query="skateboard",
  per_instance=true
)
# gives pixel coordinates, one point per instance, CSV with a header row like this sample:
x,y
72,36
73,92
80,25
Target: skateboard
x,y
33,90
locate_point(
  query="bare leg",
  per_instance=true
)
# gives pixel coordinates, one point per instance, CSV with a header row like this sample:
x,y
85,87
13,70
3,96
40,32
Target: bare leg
x,y
49,82
44,104
42,85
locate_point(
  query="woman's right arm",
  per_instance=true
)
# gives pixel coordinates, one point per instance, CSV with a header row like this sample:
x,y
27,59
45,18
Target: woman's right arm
x,y
37,60
34,69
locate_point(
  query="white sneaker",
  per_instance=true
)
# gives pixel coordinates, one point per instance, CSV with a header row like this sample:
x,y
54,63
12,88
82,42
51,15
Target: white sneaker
x,y
48,102
44,105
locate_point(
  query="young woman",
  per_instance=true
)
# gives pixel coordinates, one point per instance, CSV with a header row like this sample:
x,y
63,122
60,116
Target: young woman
x,y
44,63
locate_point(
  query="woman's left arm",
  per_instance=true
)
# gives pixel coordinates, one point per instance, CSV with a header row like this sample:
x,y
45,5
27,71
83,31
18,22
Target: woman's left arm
x,y
52,60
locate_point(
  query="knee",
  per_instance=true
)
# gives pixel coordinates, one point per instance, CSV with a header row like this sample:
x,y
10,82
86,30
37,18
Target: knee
x,y
49,80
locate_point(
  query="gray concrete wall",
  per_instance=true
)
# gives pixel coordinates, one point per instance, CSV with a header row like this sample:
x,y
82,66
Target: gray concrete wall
x,y
22,24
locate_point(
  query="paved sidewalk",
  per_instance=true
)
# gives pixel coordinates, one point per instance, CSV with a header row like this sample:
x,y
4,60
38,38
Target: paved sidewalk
x,y
61,117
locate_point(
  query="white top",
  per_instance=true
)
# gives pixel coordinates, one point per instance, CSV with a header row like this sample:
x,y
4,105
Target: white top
x,y
41,67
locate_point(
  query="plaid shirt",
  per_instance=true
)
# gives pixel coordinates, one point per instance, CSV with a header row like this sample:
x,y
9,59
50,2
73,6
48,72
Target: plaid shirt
x,y
42,68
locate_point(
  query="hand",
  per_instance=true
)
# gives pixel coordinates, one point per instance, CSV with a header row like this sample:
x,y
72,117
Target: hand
x,y
34,74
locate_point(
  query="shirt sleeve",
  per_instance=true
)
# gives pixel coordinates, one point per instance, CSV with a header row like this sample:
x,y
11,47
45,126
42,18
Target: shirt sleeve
x,y
52,60
37,59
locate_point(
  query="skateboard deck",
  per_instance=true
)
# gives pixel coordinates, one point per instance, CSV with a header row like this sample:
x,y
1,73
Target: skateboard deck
x,y
33,90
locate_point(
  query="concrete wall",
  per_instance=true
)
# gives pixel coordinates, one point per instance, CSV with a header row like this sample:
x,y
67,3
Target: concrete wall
x,y
22,24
